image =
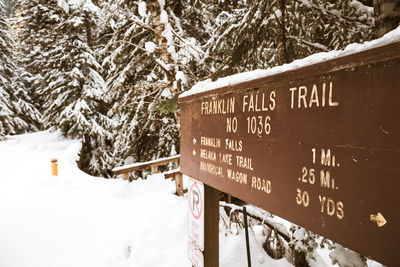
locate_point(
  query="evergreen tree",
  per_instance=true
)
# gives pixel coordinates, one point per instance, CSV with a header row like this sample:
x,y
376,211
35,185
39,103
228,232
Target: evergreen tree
x,y
253,34
73,95
17,114
57,40
8,7
37,36
7,124
140,84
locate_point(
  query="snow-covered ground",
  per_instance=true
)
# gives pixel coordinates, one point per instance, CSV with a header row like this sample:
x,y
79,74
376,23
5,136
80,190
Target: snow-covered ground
x,y
77,220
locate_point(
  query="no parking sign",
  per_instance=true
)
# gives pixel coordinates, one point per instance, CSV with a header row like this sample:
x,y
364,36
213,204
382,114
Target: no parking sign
x,y
196,213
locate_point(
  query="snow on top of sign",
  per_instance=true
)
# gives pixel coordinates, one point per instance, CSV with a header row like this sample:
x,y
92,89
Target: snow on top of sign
x,y
207,85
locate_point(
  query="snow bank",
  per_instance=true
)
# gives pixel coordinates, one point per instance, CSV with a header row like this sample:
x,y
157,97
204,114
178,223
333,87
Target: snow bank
x,y
76,220
207,85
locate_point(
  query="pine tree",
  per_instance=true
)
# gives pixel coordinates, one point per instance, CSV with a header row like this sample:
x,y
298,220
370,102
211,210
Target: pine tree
x,y
17,113
57,40
7,115
8,7
248,35
140,84
37,35
72,97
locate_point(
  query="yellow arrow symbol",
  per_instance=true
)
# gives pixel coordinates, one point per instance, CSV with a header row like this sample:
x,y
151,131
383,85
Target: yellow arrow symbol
x,y
194,153
379,219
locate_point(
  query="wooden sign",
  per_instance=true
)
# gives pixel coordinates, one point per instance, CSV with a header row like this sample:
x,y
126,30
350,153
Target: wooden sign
x,y
318,146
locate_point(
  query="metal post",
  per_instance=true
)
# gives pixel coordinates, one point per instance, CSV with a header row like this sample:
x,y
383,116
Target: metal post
x,y
247,237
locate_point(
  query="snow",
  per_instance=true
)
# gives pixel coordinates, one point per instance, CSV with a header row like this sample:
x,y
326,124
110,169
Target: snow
x,y
78,220
150,47
161,3
207,85
166,93
361,8
142,9
85,4
181,76
63,5
163,65
338,256
233,252
74,4
74,219
164,17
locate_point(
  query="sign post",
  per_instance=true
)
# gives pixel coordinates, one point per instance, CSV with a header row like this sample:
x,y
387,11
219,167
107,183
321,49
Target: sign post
x,y
318,146
203,224
211,238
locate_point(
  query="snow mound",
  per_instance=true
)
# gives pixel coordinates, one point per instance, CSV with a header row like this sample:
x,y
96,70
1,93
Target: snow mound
x,y
78,220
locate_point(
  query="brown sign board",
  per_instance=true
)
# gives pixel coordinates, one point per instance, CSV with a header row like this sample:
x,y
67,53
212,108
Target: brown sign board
x,y
318,146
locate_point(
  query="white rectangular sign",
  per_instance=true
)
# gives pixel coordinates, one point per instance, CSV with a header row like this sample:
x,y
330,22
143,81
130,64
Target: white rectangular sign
x,y
196,213
195,256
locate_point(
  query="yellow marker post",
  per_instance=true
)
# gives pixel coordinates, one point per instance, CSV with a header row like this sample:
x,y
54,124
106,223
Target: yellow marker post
x,y
54,167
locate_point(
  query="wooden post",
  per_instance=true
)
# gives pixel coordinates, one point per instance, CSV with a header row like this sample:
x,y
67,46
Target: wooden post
x,y
179,184
176,163
125,176
228,198
300,259
211,227
154,169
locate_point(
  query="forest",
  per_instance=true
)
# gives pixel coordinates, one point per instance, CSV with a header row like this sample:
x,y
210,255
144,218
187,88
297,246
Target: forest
x,y
109,72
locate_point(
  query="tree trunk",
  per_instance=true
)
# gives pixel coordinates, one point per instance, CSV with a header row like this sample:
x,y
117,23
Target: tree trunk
x,y
300,259
85,154
387,16
162,44
281,32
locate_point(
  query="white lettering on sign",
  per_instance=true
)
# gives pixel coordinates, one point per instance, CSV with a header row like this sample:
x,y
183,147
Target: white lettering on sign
x,y
237,177
331,207
210,141
244,162
233,145
225,158
220,106
303,97
211,168
259,125
196,213
255,102
231,125
208,154
260,184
